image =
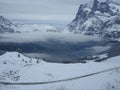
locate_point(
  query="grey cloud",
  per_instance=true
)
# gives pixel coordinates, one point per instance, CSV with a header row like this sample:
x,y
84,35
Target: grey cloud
x,y
57,10
43,36
98,49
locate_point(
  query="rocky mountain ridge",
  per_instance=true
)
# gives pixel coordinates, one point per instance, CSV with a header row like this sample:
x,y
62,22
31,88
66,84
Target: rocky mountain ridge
x,y
98,18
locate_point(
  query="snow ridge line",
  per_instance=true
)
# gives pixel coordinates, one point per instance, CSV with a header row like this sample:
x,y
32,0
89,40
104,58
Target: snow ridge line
x,y
57,81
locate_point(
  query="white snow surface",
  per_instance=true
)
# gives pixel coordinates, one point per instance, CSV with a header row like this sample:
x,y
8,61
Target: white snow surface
x,y
25,28
14,64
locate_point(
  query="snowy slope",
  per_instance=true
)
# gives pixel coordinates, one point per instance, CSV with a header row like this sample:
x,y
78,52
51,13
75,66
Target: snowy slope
x,y
6,25
4,21
15,67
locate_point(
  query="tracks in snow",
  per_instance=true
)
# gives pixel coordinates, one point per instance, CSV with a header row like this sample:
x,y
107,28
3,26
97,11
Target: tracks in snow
x,y
57,81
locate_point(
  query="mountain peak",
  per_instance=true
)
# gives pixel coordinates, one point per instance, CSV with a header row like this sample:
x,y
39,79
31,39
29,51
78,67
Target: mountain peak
x,y
97,17
5,21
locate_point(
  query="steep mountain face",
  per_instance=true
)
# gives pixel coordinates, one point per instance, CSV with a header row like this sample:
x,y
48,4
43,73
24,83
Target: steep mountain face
x,y
98,18
5,25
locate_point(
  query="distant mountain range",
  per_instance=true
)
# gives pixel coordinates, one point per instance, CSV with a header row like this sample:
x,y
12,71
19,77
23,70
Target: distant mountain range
x,y
98,18
9,27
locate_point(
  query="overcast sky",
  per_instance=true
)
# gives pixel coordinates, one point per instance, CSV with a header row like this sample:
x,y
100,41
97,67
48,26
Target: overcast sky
x,y
56,11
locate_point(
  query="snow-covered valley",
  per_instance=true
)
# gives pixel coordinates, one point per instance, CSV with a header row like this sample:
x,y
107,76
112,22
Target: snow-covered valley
x,y
83,55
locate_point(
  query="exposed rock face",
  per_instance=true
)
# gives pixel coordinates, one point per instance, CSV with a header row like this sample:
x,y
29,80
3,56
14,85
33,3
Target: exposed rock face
x,y
98,18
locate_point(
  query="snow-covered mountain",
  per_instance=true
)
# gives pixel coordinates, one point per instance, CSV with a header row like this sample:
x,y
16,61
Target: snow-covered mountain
x,y
9,27
6,25
15,67
98,18
37,28
5,22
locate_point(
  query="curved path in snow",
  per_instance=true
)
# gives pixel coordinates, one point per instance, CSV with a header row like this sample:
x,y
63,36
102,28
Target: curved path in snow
x,y
57,81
